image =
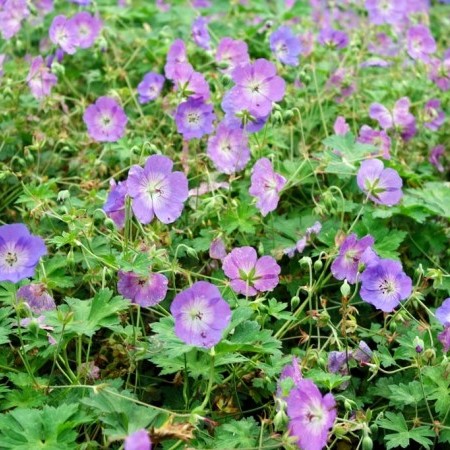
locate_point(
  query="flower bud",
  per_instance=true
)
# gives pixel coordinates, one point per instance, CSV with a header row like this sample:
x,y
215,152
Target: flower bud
x,y
345,289
367,443
418,344
295,301
318,265
305,261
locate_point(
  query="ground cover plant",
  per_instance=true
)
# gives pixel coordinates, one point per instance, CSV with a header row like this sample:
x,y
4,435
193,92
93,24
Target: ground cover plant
x,y
224,224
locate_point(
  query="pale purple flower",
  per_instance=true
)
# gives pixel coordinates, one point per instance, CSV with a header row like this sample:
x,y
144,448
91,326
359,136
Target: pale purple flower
x,y
342,82
363,354
434,117
148,290
285,45
347,263
114,206
156,190
64,33
386,11
105,120
12,13
228,149
333,38
20,252
421,43
250,274
443,312
307,41
400,118
257,86
190,83
444,338
87,28
208,186
36,297
89,370
38,323
311,415
150,87
44,6
303,242
291,371
439,72
382,44
382,186
266,185
201,315
385,285
40,80
377,138
139,440
232,53
162,5
337,361
435,156
177,54
200,33
217,249
341,126
194,118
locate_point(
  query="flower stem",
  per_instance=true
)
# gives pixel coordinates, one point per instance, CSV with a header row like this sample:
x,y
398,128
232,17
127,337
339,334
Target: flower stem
x,y
210,380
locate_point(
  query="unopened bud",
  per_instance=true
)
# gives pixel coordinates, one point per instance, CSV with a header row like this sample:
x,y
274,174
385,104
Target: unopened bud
x,y
345,289
318,264
295,301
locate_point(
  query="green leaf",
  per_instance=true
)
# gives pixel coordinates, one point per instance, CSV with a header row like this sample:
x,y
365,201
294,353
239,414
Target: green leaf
x,y
405,394
237,434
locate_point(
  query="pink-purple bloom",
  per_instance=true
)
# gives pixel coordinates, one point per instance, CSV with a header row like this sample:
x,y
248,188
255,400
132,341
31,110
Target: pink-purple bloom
x,y
189,83
228,149
311,415
145,290
434,117
177,54
266,185
341,126
421,43
40,80
105,120
217,249
435,157
139,440
377,138
444,338
385,285
20,252
114,206
200,33
36,297
285,45
194,118
150,87
232,53
347,263
201,315
303,242
87,28
12,13
443,312
333,38
250,274
382,186
439,71
291,371
156,190
386,11
64,33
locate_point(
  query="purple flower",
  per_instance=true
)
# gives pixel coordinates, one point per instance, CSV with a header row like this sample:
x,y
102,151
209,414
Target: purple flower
x,y
250,274
439,72
36,297
346,265
217,249
114,206
257,86
421,43
303,242
194,118
232,53
311,415
337,361
201,315
64,33
146,290
377,138
266,185
157,191
162,5
89,370
340,126
190,83
444,338
208,186
200,33
342,82
291,371
443,312
176,55
400,118
20,252
228,149
333,38
40,80
383,186
434,116
285,45
105,120
382,11
139,440
150,87
435,155
363,354
383,45
87,28
12,13
385,284
307,40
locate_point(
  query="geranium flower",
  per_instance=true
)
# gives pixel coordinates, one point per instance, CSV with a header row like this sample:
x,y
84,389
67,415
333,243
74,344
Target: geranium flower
x,y
386,11
194,118
377,138
40,80
114,206
12,13
333,38
201,315
20,252
177,54
200,33
87,28
139,440
232,53
36,297
443,312
383,186
105,120
434,116
150,87
285,45
156,190
435,155
385,285
146,290
291,371
250,274
421,43
64,33
190,83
